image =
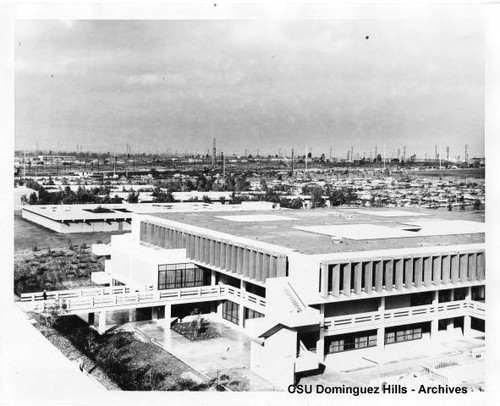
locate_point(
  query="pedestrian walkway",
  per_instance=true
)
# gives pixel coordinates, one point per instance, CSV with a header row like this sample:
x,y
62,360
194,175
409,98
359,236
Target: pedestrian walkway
x,y
228,354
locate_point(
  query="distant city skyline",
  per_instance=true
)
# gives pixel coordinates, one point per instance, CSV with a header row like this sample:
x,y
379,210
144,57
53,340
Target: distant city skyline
x,y
166,86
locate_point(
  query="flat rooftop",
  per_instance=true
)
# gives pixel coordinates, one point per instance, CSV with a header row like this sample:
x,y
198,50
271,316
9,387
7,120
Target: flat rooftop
x,y
96,212
320,231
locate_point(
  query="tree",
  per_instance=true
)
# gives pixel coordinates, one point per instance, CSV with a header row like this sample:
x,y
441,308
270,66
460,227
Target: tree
x,y
317,199
206,199
477,204
297,203
133,197
33,198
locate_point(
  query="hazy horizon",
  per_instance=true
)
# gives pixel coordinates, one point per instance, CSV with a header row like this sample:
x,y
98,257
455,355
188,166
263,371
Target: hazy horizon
x,y
264,85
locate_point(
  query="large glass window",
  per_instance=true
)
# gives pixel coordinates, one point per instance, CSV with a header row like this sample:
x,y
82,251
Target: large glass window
x,y
174,276
230,311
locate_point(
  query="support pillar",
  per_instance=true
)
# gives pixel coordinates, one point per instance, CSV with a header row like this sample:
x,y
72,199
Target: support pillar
x,y
320,345
132,315
212,278
154,313
381,330
381,339
101,327
241,315
168,314
220,308
467,328
434,328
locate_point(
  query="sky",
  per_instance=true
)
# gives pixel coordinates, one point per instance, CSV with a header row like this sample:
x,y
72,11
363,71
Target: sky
x,y
257,85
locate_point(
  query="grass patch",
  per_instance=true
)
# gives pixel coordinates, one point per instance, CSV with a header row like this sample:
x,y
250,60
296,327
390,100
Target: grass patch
x,y
53,269
130,361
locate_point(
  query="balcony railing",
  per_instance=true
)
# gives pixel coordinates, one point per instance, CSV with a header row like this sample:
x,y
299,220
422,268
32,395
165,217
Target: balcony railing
x,y
74,293
83,300
340,322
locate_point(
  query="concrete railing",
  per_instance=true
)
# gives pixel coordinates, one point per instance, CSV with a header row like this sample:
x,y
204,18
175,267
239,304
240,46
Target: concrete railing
x,y
73,293
232,291
71,302
339,322
477,309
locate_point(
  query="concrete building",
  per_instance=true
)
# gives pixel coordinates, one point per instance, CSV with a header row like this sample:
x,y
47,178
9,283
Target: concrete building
x,y
83,218
310,286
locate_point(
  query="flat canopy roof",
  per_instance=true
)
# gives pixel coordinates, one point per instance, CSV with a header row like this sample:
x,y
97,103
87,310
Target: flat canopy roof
x,y
320,231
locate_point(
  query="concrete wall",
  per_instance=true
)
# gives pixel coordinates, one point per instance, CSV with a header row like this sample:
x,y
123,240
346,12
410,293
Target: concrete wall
x,y
275,361
138,265
304,274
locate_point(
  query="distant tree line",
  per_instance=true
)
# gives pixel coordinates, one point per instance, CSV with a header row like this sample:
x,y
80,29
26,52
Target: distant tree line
x,y
99,195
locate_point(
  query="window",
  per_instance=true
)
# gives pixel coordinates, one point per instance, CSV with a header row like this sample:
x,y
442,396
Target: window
x,y
252,314
230,311
402,334
354,341
174,276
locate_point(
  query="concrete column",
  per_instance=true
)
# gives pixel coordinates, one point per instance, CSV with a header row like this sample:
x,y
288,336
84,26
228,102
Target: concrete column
x,y
324,280
368,277
378,275
212,278
320,345
434,328
408,269
241,315
347,279
452,295
357,277
132,314
380,339
168,314
219,308
467,328
454,265
398,270
154,313
243,285
101,327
